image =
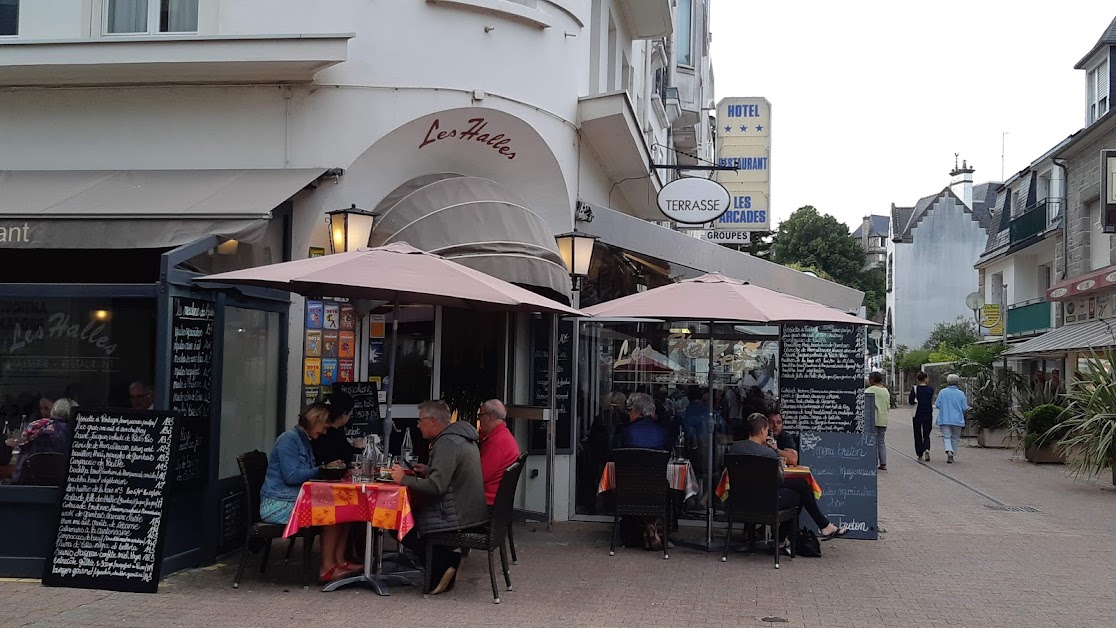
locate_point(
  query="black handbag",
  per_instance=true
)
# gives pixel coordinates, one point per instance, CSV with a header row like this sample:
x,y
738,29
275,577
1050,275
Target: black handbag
x,y
807,544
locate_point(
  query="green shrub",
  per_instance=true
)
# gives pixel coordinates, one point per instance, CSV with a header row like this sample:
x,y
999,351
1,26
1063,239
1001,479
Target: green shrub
x,y
1043,418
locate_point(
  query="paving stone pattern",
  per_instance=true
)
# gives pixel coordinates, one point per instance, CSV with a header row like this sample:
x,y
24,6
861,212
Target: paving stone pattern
x,y
944,559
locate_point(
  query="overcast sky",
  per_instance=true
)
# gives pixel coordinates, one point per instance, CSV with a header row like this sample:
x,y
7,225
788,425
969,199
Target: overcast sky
x,y
870,99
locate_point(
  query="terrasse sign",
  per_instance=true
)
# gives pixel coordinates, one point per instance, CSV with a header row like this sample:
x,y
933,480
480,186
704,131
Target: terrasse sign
x,y
693,201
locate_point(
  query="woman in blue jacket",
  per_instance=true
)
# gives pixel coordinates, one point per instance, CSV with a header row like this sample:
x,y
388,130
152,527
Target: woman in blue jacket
x,y
290,465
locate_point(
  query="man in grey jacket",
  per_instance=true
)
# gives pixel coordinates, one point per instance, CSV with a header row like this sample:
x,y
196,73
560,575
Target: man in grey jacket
x,y
448,494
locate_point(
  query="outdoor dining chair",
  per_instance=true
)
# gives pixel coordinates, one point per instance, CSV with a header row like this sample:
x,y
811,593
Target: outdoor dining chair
x,y
253,468
753,497
490,539
45,469
642,489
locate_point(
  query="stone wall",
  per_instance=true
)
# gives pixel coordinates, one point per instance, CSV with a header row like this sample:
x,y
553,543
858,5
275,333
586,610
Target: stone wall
x,y
1083,203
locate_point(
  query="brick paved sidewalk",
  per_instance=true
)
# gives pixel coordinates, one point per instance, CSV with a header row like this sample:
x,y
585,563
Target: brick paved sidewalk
x,y
945,558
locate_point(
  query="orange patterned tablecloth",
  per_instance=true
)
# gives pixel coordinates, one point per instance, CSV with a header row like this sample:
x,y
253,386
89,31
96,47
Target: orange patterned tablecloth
x,y
789,472
680,475
383,504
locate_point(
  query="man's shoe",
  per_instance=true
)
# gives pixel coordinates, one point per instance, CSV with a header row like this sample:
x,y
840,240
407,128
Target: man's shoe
x,y
883,467
949,457
446,583
926,455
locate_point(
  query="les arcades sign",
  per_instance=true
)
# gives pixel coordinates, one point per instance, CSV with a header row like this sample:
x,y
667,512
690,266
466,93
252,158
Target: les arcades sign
x,y
473,131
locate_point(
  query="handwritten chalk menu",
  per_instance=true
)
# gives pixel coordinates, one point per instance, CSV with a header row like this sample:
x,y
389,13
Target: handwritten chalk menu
x,y
366,408
192,385
231,513
563,382
821,378
110,531
540,364
844,464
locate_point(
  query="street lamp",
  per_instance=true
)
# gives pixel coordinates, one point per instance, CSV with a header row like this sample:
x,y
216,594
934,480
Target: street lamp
x,y
576,249
349,228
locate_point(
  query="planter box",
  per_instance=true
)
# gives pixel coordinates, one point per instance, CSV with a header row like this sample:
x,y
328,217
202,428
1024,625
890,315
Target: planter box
x,y
970,431
997,439
1044,455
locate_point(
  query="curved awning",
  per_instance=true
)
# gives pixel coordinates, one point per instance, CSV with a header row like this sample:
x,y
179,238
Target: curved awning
x,y
476,222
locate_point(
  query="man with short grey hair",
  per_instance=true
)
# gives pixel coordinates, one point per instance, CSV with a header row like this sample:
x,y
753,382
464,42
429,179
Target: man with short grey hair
x,y
951,406
643,431
498,449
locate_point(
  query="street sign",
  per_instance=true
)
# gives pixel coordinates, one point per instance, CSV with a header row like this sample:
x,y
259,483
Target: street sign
x,y
728,237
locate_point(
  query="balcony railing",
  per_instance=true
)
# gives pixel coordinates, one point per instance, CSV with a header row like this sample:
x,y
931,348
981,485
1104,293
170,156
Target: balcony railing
x,y
1029,316
1035,219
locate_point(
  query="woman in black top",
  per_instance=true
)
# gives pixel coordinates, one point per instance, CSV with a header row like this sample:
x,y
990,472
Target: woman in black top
x,y
922,397
332,444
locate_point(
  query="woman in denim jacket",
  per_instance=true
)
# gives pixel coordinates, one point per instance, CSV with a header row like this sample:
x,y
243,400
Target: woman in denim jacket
x,y
290,465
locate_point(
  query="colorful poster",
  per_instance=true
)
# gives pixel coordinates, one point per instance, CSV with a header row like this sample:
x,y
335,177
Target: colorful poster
x,y
314,313
377,360
376,326
313,343
310,395
312,372
345,370
348,317
346,344
329,344
329,371
332,316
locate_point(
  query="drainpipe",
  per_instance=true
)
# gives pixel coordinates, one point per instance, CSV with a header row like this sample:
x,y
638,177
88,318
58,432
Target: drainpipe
x,y
1061,164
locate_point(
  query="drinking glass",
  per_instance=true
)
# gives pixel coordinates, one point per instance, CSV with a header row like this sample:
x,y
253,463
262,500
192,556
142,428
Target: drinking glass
x,y
358,467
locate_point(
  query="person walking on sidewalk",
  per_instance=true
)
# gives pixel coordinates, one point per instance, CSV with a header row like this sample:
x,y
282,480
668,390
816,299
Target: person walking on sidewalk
x,y
951,406
883,404
922,397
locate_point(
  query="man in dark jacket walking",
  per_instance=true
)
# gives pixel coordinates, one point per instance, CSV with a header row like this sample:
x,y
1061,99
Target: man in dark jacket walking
x,y
448,494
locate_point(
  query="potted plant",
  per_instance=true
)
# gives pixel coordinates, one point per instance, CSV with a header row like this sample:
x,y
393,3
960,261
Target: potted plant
x,y
991,408
1088,429
1043,428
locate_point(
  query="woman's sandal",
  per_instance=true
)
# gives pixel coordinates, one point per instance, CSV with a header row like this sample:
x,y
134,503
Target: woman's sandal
x,y
347,567
330,575
838,533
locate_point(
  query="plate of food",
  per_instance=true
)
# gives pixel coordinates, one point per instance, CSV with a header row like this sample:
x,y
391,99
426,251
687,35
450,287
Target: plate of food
x,y
332,471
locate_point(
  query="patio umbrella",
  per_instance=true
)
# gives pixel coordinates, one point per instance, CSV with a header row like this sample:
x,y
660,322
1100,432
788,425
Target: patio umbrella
x,y
399,274
714,297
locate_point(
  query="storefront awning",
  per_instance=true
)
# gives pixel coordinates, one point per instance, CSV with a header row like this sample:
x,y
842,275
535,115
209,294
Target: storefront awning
x,y
476,222
1089,283
1099,333
113,209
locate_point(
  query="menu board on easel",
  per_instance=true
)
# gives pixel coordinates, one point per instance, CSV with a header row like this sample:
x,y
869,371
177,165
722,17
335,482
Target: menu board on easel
x,y
192,321
110,529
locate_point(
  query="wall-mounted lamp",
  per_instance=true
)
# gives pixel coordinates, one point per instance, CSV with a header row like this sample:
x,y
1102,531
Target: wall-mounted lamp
x,y
576,249
349,229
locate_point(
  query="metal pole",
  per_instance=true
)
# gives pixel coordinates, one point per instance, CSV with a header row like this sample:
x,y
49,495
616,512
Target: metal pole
x,y
552,420
709,484
1004,314
389,426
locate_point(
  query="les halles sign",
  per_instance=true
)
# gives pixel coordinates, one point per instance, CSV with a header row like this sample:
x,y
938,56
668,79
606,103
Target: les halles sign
x,y
473,131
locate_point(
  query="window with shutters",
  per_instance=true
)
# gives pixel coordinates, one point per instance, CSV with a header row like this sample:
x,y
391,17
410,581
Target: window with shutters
x,y
1096,92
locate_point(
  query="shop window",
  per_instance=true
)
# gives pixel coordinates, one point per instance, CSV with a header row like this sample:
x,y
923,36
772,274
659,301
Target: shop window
x,y
250,385
414,362
88,349
151,16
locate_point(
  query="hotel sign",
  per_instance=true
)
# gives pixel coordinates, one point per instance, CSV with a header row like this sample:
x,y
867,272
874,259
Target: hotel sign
x,y
744,143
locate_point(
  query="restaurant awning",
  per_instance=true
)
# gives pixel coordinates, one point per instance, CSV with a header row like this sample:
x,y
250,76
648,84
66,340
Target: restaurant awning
x,y
1099,333
1083,285
115,209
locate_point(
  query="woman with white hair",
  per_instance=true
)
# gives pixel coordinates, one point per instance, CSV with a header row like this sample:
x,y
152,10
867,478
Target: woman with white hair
x,y
952,406
50,435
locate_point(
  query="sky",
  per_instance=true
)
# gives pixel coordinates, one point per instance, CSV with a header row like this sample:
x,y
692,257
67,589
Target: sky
x,y
871,99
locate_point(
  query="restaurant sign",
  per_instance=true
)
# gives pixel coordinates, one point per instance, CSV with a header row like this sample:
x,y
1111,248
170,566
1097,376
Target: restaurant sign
x,y
693,201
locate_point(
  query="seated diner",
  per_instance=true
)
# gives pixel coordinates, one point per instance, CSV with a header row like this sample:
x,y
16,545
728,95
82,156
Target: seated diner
x,y
291,464
49,435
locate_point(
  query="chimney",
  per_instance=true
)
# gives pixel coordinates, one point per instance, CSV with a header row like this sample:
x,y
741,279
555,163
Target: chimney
x,y
962,181
865,229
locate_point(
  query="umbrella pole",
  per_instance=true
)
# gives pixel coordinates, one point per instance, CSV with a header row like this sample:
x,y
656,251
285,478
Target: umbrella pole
x,y
709,453
389,426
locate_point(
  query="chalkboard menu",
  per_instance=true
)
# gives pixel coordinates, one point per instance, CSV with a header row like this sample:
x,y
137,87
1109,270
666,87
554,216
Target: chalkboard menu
x,y
540,363
192,385
366,408
821,378
232,521
110,530
563,381
844,464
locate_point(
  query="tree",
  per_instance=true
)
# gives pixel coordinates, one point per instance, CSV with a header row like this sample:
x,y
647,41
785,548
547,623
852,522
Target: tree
x,y
819,241
956,335
761,244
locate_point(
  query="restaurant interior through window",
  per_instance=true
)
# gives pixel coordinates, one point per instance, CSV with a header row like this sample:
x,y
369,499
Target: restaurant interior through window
x,y
673,363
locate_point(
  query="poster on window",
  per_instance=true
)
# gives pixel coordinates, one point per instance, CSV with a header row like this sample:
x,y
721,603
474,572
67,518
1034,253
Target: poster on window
x,y
314,313
312,372
345,370
330,340
329,371
348,317
376,326
310,395
346,344
313,343
332,318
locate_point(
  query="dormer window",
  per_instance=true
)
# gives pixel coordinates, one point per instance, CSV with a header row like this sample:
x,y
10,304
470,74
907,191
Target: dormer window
x,y
1097,92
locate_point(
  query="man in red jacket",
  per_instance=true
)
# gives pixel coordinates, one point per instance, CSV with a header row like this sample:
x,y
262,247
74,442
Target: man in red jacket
x,y
498,449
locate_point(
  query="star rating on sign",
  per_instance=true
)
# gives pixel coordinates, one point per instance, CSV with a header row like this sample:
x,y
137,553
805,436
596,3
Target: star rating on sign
x,y
759,129
728,129
744,129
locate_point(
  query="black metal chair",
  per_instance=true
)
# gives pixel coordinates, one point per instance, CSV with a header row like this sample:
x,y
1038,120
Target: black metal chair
x,y
753,497
642,489
45,469
521,460
253,468
489,540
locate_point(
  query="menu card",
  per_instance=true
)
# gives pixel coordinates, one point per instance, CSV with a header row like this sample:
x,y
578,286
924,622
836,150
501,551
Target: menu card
x,y
192,386
821,379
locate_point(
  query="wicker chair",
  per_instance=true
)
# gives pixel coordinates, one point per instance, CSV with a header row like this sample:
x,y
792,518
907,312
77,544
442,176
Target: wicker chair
x,y
253,468
642,489
753,497
488,540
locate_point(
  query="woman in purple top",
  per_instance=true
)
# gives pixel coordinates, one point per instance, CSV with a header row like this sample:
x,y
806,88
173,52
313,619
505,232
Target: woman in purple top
x,y
50,435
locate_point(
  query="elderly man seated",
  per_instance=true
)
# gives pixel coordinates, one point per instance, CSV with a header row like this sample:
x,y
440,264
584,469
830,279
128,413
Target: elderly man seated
x,y
498,449
448,494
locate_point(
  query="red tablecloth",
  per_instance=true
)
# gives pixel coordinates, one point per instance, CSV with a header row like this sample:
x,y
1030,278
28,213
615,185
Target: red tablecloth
x,y
383,504
680,475
789,472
